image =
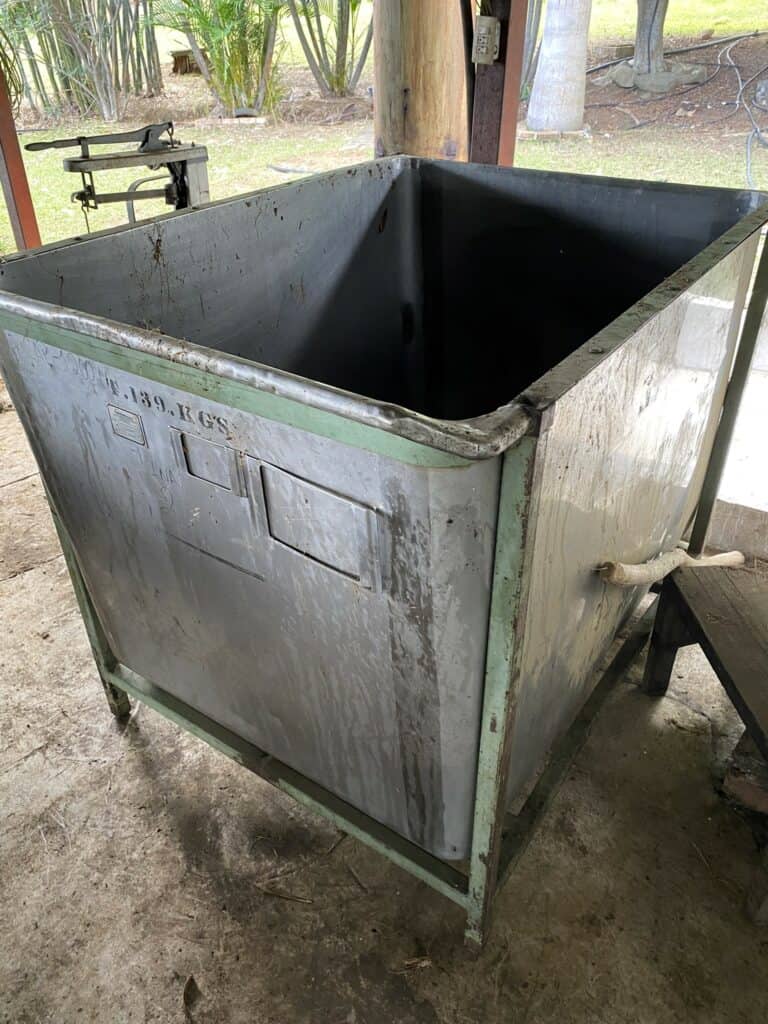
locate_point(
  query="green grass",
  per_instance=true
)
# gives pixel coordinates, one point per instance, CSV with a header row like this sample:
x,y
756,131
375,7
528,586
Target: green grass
x,y
615,19
670,155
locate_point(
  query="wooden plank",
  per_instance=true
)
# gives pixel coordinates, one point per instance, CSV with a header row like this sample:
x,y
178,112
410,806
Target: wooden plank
x,y
497,90
728,609
486,118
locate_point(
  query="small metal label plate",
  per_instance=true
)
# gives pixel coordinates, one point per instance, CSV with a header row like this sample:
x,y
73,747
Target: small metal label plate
x,y
487,41
127,425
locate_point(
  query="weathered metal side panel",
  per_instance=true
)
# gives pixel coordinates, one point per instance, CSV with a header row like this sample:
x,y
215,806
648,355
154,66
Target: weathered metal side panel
x,y
622,460
325,603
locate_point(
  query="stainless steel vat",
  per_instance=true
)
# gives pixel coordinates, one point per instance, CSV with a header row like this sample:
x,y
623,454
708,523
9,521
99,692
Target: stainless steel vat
x,y
337,460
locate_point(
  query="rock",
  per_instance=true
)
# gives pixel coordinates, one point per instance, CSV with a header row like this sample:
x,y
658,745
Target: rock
x,y
623,75
676,74
289,169
658,82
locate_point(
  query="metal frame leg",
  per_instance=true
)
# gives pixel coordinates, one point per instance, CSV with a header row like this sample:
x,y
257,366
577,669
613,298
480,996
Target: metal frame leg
x,y
507,602
118,700
13,178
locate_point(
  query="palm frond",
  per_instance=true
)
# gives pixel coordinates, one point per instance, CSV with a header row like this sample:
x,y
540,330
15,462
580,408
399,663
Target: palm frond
x,y
10,69
238,38
334,42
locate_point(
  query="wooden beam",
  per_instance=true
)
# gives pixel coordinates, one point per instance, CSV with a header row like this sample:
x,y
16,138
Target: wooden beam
x,y
497,90
13,177
420,99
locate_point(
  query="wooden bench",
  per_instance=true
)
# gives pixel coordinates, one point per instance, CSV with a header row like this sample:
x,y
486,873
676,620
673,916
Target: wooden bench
x,y
725,611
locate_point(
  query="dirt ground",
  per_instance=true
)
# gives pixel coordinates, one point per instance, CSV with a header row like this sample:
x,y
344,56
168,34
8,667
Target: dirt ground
x,y
711,108
133,860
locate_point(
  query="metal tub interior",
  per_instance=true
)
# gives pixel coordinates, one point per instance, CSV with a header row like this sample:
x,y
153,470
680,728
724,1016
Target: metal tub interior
x,y
336,457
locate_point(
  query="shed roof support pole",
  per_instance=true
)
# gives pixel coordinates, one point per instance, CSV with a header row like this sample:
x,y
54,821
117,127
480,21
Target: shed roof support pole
x,y
13,177
420,99
497,90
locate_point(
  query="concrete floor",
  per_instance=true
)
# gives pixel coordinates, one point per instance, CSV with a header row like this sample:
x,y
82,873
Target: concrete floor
x,y
133,860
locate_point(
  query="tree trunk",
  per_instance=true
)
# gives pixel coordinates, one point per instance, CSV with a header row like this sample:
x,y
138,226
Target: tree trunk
x,y
420,99
267,58
557,98
649,41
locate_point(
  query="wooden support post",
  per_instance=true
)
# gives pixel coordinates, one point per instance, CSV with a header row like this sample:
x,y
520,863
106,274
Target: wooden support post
x,y
13,177
497,90
420,99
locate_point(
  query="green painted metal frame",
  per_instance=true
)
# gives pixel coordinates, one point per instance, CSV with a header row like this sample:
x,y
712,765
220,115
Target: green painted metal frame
x,y
496,840
231,393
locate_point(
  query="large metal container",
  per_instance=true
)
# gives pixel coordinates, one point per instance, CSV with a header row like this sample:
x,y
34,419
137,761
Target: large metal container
x,y
337,459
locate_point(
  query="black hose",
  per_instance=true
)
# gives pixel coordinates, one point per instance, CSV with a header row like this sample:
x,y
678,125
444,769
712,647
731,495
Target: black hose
x,y
650,29
684,49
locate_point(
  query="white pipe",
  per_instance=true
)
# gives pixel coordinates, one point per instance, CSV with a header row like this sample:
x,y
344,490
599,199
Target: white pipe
x,y
622,575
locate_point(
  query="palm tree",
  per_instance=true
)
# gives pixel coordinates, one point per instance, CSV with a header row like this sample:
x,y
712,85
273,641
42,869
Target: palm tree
x,y
334,42
649,41
557,97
